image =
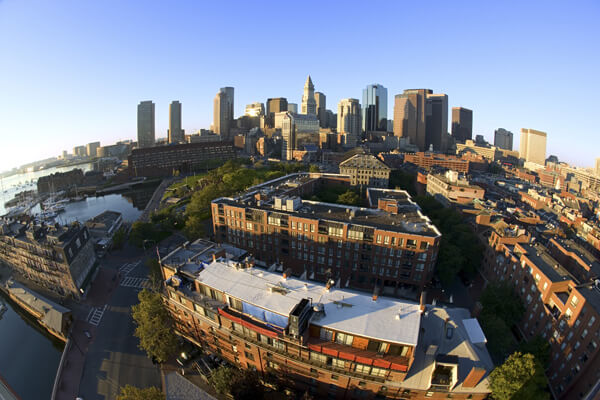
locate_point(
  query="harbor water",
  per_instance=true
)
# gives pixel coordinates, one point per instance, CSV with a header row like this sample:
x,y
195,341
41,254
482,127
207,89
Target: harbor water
x,y
29,356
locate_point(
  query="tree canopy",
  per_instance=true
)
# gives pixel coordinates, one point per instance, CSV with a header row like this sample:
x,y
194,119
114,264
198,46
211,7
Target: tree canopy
x,y
241,384
154,326
520,377
129,392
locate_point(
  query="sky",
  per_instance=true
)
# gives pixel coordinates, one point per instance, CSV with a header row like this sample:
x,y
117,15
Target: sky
x,y
73,71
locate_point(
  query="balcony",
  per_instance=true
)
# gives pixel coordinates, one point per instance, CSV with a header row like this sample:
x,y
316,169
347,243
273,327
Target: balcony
x,y
396,363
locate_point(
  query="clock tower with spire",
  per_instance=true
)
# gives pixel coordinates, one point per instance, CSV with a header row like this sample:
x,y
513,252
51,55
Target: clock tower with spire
x,y
309,104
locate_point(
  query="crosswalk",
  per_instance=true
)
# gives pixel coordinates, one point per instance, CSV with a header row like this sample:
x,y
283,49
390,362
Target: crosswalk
x,y
139,283
125,269
95,315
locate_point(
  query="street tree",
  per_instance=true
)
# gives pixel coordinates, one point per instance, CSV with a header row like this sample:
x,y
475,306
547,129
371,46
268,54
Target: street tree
x,y
520,377
154,326
129,392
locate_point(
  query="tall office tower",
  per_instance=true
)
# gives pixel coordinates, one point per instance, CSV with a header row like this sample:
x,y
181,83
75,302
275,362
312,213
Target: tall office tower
x,y
309,104
221,115
462,124
503,139
228,90
409,116
175,130
293,108
255,110
598,166
331,119
145,124
276,105
298,130
436,121
321,109
533,146
374,108
349,121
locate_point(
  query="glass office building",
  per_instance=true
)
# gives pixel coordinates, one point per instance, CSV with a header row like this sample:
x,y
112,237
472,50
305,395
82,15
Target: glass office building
x,y
374,108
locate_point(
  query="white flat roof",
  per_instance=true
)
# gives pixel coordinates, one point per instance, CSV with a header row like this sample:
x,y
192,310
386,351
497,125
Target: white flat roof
x,y
391,320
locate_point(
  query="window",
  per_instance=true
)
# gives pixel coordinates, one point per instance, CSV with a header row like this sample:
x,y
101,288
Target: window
x,y
249,356
343,338
334,377
574,301
378,238
378,371
318,357
326,334
362,369
336,362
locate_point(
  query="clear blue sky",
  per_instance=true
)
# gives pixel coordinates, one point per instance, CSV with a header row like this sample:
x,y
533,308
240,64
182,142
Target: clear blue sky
x,y
72,72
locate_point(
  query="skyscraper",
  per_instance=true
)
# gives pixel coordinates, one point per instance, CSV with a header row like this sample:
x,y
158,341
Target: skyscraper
x,y
436,121
462,124
503,139
349,121
145,124
598,166
298,130
293,108
175,130
410,116
309,104
223,112
533,146
374,108
275,105
321,109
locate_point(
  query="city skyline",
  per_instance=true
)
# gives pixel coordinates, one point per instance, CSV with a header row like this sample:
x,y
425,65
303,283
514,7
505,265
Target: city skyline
x,y
96,91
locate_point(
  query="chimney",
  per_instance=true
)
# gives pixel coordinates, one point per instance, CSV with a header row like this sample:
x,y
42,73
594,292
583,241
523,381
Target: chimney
x,y
287,273
375,293
422,301
474,377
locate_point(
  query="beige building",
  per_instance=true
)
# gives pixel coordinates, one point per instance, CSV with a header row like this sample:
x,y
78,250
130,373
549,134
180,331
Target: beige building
x,y
223,113
598,166
349,121
410,116
533,146
453,188
175,131
366,169
92,149
145,124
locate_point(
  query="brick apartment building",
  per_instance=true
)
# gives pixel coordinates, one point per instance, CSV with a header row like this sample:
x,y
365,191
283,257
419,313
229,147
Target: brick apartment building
x,y
58,258
392,247
464,164
182,158
333,343
557,284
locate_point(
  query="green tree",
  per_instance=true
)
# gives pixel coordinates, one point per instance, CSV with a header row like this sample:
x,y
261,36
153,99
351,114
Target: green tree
x,y
500,299
314,168
349,197
129,392
141,231
154,326
222,379
118,239
539,347
521,377
241,384
500,340
194,227
154,272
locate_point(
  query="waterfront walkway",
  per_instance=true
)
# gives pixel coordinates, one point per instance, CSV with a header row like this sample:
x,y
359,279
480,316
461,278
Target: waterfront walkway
x,y
154,202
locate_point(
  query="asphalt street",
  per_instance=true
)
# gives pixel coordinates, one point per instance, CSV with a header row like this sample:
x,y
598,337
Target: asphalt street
x,y
113,358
